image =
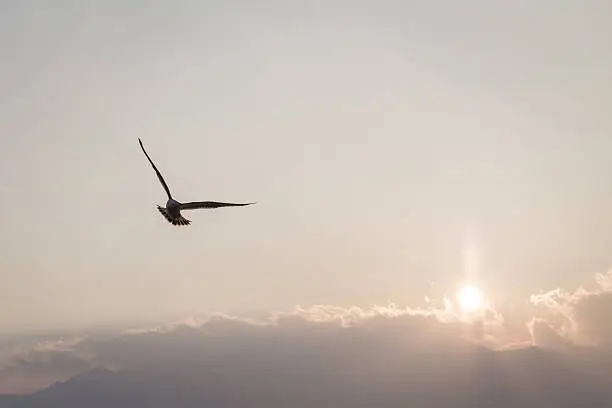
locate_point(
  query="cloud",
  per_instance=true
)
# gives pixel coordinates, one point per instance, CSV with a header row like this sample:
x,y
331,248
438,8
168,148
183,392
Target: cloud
x,y
320,328
581,317
593,318
23,369
326,356
545,335
327,349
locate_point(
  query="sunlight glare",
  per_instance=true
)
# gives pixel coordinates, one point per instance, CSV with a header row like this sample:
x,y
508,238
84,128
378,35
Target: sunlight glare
x,y
470,298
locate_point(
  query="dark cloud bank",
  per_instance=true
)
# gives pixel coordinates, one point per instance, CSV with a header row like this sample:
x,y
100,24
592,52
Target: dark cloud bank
x,y
333,357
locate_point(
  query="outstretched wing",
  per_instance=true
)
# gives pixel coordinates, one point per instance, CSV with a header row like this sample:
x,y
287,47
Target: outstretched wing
x,y
159,176
209,204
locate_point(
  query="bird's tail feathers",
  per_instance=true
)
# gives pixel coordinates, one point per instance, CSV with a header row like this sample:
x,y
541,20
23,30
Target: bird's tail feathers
x,y
180,220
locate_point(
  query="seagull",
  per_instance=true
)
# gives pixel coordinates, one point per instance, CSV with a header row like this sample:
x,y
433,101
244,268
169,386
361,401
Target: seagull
x,y
172,211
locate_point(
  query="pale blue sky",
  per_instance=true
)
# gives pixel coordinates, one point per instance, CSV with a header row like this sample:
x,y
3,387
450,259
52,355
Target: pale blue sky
x,y
379,139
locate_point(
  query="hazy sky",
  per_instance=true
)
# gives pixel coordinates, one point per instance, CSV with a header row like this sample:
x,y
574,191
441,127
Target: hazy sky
x,y
382,140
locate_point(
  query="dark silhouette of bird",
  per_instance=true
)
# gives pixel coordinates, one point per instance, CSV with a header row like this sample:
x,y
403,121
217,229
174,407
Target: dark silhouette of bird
x,y
172,211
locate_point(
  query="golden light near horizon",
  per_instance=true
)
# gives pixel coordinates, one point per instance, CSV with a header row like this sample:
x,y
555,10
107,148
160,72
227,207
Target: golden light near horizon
x,y
470,298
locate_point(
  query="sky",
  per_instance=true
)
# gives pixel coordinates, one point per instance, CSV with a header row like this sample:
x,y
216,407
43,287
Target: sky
x,y
396,151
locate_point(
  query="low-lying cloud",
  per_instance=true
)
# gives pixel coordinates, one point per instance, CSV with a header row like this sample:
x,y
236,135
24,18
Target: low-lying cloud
x,y
580,318
318,329
333,350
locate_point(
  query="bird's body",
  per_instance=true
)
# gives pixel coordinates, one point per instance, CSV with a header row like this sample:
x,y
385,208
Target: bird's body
x,y
172,211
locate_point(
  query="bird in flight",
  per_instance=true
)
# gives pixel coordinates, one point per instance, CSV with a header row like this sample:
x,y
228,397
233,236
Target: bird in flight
x,y
172,211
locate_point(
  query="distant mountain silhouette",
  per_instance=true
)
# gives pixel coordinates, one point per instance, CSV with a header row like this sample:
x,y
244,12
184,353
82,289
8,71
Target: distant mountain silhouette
x,y
518,378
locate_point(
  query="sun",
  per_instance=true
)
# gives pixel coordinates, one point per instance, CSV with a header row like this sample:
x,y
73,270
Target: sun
x,y
470,298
